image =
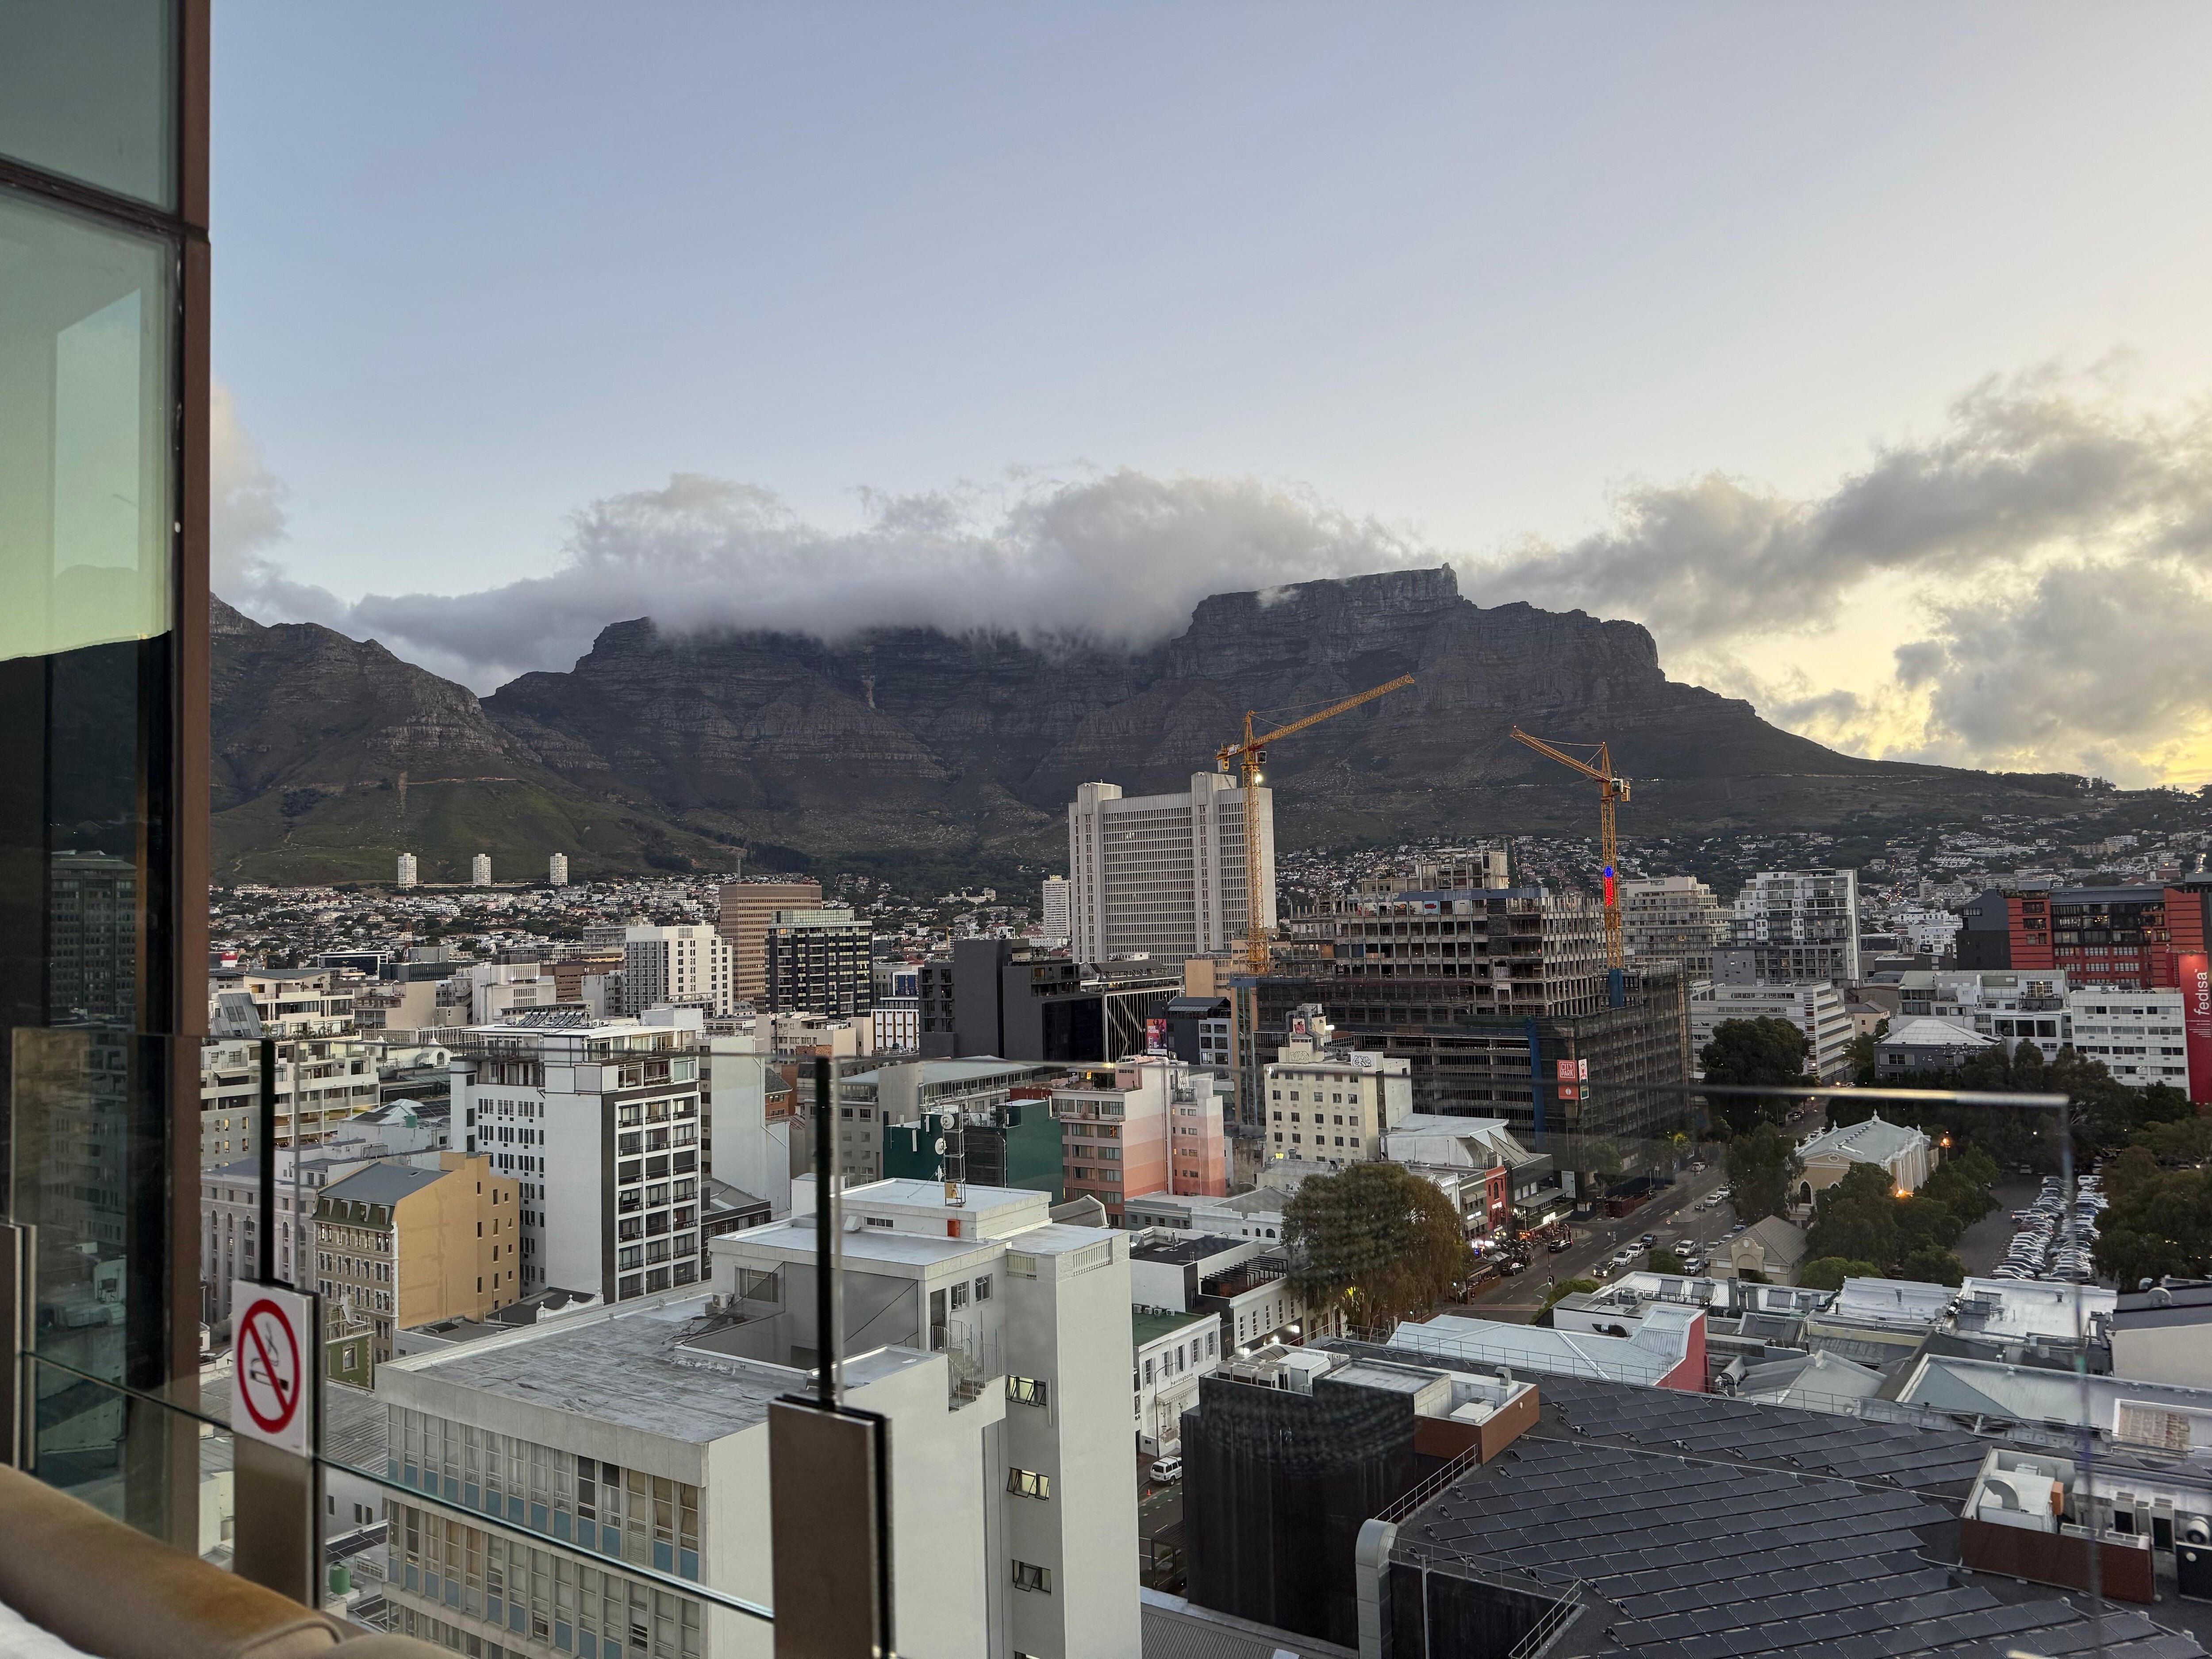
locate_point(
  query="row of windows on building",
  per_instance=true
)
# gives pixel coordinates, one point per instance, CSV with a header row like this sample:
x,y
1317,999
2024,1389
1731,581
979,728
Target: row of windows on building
x,y
1175,1364
540,1596
650,1519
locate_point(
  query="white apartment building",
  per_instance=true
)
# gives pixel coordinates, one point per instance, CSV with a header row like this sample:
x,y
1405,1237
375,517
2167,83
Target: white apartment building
x,y
1673,919
597,1121
1163,875
1807,920
744,1146
480,870
638,1435
406,876
320,1083
1815,1008
1927,929
1168,1353
2137,1034
2015,1005
1031,1317
1055,914
688,966
1331,1105
556,869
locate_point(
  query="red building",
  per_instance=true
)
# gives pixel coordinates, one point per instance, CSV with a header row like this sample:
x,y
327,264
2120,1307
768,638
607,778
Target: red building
x,y
2132,936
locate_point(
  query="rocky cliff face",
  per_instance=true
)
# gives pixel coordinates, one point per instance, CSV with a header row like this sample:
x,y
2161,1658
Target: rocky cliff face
x,y
913,738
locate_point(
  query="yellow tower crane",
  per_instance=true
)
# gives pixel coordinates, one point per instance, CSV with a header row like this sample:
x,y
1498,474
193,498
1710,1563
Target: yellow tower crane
x,y
1249,756
1612,789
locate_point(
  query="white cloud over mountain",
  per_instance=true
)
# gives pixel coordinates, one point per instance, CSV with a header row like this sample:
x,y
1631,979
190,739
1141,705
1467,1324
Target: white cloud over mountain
x,y
2049,547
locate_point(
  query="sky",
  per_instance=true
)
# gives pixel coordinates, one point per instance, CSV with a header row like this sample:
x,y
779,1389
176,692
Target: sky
x,y
1860,352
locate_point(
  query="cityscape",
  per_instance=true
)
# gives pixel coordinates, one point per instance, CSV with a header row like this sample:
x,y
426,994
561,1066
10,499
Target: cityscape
x,y
630,1090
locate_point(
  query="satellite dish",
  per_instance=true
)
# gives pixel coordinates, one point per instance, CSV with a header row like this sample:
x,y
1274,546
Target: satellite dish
x,y
941,1146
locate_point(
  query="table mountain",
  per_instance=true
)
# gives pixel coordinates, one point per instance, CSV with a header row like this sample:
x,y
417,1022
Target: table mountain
x,y
959,753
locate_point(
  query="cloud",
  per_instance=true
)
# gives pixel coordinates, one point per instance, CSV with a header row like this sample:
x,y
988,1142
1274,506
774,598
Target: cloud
x,y
2022,470
2049,547
1119,556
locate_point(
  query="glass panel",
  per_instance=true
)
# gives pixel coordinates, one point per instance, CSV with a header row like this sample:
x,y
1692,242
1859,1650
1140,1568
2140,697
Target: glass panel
x,y
88,90
86,503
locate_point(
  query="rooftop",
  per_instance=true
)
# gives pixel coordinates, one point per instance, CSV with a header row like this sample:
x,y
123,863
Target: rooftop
x,y
1873,1141
381,1183
1186,1250
633,1367
982,1069
1756,1529
1146,1327
1929,1032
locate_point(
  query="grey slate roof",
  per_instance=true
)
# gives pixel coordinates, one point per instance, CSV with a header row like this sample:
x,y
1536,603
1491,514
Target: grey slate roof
x,y
382,1184
1750,1529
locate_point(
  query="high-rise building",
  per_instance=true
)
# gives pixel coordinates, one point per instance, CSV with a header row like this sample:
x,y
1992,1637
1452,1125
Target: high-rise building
x,y
406,876
2124,936
1673,919
597,1122
480,870
1487,992
556,869
819,961
105,618
748,908
1803,925
397,1245
1163,875
686,966
1053,915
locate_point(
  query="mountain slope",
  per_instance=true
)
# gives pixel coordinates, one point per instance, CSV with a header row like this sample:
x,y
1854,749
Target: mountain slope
x,y
916,739
330,757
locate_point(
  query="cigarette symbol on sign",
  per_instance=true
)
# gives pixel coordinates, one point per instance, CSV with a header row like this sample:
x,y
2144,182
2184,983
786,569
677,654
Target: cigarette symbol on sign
x,y
269,1367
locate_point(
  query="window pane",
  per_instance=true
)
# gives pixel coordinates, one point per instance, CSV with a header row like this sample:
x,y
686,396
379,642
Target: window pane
x,y
88,89
86,503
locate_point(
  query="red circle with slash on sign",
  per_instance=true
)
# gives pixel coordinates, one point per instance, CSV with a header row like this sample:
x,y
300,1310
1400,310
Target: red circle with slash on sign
x,y
269,1367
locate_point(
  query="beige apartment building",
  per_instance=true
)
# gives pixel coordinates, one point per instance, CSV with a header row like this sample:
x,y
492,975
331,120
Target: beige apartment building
x,y
397,1245
749,910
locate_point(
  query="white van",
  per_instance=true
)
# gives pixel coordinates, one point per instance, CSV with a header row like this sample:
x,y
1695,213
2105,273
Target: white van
x,y
1167,1469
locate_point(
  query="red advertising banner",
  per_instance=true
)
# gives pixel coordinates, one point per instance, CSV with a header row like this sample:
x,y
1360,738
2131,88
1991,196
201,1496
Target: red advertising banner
x,y
2196,977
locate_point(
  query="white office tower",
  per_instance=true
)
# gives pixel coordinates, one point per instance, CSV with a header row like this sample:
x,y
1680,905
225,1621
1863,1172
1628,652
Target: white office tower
x,y
1032,1317
556,869
406,877
1802,924
1163,875
639,1434
598,1122
480,870
1054,916
689,966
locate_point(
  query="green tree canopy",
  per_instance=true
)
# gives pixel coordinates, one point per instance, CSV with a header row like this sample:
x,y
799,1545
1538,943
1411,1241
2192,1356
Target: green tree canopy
x,y
1828,1273
2161,1224
1378,1237
1769,1051
1856,1217
1664,1260
1762,1166
1565,1287
1931,1266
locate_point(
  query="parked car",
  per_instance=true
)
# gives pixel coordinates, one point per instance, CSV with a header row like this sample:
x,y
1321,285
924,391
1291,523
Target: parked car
x,y
1167,1469
1649,1240
1558,1245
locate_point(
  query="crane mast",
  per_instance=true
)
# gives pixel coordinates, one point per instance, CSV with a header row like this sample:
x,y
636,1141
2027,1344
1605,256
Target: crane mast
x,y
1247,756
1612,789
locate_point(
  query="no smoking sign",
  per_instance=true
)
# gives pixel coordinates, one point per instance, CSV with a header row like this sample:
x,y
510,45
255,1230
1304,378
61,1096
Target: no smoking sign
x,y
272,1364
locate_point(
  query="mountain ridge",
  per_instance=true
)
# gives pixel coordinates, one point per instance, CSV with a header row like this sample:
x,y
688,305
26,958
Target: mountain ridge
x,y
910,744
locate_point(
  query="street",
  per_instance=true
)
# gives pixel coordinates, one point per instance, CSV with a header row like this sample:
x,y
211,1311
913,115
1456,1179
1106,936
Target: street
x,y
1671,1216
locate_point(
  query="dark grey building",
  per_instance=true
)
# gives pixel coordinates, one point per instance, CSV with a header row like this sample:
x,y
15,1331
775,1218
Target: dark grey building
x,y
1015,1003
820,963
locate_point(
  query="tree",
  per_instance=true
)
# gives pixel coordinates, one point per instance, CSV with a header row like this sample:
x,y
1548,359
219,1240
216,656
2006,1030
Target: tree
x,y
1768,1051
1856,1217
1378,1237
1664,1260
1828,1273
2187,1141
1565,1287
1931,1266
1762,1167
2159,1225
1605,1164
